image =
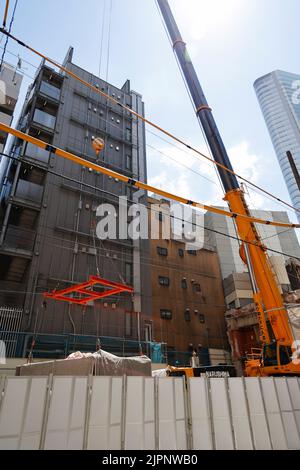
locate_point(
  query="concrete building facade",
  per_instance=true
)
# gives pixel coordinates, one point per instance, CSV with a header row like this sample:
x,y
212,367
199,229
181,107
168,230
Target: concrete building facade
x,y
188,304
10,85
278,94
48,224
275,238
241,317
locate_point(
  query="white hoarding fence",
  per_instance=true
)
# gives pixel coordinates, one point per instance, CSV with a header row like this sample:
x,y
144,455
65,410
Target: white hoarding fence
x,y
144,413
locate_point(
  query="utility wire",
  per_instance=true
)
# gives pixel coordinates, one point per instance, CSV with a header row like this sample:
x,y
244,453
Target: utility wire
x,y
139,184
7,37
281,203
137,115
163,140
17,159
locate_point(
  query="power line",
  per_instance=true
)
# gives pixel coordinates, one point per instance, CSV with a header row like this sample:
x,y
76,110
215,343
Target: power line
x,y
281,203
139,184
17,159
137,115
9,30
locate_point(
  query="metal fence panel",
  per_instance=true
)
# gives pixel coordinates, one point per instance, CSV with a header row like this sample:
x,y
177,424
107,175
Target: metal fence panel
x,y
221,414
140,414
258,418
105,418
288,414
34,414
294,389
171,414
131,413
66,418
274,417
200,415
10,325
240,415
12,412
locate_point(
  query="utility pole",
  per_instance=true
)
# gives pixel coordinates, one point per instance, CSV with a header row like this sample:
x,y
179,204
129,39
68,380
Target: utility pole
x,y
294,168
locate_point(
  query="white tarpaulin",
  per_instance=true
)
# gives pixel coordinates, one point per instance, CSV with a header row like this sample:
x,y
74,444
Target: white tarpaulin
x,y
99,363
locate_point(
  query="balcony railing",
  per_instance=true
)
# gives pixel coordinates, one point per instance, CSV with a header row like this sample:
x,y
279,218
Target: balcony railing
x,y
29,191
36,153
50,90
44,119
19,238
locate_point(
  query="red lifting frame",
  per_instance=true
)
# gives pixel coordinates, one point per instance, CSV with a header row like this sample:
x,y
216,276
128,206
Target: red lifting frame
x,y
85,290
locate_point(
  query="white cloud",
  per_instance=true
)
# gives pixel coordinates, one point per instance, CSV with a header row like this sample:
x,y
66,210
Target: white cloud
x,y
173,182
169,172
197,18
244,162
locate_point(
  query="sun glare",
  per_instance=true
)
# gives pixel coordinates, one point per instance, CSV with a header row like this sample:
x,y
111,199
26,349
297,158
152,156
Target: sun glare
x,y
199,17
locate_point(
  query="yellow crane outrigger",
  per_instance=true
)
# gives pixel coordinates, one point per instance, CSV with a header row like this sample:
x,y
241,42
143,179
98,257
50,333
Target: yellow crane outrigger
x,y
278,355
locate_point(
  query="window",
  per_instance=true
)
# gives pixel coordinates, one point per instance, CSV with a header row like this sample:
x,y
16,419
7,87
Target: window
x,y
162,251
196,287
181,252
244,302
164,281
160,216
184,284
166,314
128,273
128,134
128,324
187,315
201,318
128,162
192,252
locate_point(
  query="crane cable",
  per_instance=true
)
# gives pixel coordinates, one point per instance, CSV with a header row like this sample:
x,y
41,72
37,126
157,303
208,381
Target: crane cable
x,y
189,94
109,39
102,38
135,183
142,118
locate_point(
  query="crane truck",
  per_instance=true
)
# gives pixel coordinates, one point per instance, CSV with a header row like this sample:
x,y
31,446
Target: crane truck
x,y
278,356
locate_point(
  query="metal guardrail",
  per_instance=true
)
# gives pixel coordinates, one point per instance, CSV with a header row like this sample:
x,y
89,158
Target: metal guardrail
x,y
48,346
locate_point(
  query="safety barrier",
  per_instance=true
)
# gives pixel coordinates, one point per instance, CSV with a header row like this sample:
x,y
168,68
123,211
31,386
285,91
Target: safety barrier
x,y
132,413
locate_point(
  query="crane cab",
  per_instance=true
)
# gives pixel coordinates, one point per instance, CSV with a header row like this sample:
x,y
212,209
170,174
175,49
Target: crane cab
x,y
273,360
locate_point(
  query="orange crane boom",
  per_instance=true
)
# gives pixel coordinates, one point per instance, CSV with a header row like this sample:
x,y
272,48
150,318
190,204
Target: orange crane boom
x,y
275,331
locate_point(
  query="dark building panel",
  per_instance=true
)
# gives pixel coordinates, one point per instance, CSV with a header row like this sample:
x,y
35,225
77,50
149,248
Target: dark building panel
x,y
48,223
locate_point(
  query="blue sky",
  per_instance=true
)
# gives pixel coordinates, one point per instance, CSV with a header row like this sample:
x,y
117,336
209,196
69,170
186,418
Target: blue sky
x,y
231,42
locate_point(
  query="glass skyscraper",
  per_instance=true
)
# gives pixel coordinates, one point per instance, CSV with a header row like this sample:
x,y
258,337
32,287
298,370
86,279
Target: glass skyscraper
x,y
278,94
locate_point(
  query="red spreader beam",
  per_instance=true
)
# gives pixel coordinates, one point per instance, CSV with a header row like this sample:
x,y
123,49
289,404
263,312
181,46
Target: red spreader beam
x,y
82,294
